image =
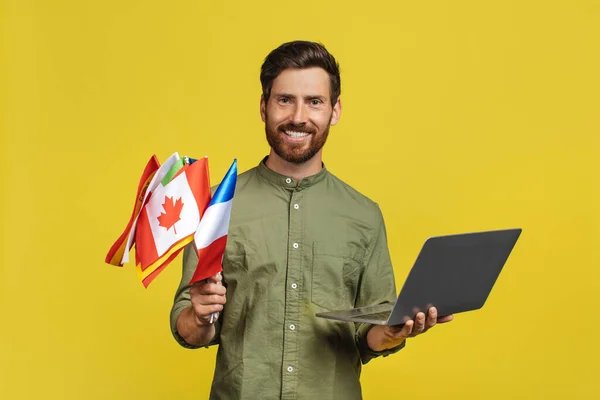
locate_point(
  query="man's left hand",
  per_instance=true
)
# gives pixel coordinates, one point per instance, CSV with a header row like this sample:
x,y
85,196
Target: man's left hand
x,y
382,337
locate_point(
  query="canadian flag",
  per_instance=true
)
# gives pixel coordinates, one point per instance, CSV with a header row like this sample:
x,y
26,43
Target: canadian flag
x,y
173,211
154,174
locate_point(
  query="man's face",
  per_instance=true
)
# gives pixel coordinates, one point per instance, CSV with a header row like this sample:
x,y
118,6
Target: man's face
x,y
298,114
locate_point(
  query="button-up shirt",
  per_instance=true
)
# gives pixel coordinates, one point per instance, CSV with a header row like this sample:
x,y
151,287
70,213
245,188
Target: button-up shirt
x,y
295,248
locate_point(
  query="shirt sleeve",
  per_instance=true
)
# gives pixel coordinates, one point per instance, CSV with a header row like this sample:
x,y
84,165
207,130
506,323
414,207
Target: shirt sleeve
x,y
182,297
376,286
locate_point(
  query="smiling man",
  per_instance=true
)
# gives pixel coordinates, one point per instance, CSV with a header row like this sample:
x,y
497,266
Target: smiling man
x,y
300,241
297,111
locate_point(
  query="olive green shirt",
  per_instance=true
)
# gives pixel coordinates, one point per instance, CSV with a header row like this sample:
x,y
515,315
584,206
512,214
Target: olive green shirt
x,y
295,249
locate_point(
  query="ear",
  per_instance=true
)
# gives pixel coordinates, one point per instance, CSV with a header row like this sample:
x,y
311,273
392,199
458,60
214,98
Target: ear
x,y
263,108
337,112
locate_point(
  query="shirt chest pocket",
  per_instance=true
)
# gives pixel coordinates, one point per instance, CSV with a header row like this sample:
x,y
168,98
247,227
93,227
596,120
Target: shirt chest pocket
x,y
336,272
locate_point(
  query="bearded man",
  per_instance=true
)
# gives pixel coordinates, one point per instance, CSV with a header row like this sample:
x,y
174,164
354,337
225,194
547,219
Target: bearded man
x,y
300,242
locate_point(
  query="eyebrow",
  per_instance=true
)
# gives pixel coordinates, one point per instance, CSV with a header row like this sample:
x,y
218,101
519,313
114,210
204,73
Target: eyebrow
x,y
309,97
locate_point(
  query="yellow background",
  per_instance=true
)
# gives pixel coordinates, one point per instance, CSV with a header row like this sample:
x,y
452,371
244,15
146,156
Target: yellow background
x,y
457,116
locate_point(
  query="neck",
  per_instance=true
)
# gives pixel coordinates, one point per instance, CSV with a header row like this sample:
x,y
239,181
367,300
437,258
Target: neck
x,y
296,171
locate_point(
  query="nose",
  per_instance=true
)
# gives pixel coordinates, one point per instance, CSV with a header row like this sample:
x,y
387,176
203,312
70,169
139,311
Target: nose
x,y
300,115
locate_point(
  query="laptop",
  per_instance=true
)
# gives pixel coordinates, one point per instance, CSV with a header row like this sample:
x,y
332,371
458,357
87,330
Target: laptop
x,y
454,273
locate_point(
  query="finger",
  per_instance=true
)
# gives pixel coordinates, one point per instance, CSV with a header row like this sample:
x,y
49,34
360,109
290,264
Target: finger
x,y
419,324
431,318
210,288
210,299
395,330
407,329
214,288
198,287
446,318
215,278
204,311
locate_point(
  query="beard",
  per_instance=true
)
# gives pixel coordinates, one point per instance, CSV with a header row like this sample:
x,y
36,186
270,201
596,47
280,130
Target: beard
x,y
296,153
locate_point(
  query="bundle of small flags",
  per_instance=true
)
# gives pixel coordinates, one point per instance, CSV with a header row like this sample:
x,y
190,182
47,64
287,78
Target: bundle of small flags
x,y
173,207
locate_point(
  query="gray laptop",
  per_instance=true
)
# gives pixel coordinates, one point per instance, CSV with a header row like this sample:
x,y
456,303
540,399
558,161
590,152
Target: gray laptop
x,y
454,273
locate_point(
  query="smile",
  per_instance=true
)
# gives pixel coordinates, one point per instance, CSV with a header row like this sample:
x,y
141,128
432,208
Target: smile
x,y
296,135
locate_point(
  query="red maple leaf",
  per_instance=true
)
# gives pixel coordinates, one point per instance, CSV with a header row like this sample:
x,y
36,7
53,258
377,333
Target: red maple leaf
x,y
172,209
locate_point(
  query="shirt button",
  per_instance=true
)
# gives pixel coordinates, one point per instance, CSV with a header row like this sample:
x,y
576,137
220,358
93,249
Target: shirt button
x,y
295,245
292,326
294,286
290,369
296,206
288,180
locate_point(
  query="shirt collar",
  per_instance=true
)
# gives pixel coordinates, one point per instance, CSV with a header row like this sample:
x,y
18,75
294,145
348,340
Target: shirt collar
x,y
288,182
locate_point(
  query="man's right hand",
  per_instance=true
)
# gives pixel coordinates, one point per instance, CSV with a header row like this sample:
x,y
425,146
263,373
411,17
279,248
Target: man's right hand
x,y
193,324
208,297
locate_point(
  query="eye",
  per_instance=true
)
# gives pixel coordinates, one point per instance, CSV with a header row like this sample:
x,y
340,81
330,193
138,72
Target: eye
x,y
284,100
315,102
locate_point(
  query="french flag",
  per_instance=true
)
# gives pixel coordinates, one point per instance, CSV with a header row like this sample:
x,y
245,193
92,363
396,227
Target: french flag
x,y
211,236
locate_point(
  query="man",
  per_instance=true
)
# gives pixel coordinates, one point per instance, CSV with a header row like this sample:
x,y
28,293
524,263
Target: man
x,y
300,242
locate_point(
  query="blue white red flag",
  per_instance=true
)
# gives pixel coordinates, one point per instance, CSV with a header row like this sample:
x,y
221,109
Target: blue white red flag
x,y
211,236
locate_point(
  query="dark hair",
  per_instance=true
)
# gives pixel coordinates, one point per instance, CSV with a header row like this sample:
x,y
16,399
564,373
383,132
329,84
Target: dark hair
x,y
298,55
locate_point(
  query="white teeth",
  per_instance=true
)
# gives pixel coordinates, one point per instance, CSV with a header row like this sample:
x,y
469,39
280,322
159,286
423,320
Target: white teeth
x,y
296,134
